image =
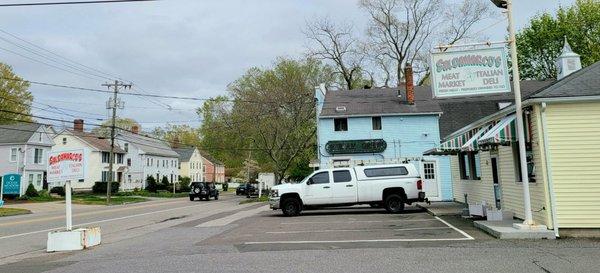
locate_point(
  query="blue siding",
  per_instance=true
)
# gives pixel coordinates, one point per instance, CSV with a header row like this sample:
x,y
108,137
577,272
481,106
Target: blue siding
x,y
406,136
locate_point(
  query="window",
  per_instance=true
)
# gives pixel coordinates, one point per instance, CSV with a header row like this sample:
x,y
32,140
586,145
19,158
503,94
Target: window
x,y
429,171
469,165
148,162
151,161
120,158
517,162
341,176
13,154
105,176
105,158
320,178
376,121
38,181
37,156
64,141
340,124
129,162
80,180
40,137
386,171
126,147
30,178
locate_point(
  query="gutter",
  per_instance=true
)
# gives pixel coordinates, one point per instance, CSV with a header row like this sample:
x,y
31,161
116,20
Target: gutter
x,y
549,171
383,115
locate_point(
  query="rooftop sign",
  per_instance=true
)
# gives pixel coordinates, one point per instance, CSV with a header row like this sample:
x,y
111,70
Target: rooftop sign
x,y
470,72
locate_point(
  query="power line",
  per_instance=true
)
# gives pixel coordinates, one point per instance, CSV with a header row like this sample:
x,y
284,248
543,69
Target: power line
x,y
71,3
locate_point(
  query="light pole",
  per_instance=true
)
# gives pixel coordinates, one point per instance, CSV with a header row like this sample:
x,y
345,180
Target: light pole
x,y
528,223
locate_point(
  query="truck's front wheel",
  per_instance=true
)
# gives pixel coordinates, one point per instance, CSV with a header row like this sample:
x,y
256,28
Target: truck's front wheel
x,y
394,203
290,207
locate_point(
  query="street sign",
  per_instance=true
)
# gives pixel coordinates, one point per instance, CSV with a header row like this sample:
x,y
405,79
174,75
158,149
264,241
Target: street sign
x,y
470,72
66,165
11,184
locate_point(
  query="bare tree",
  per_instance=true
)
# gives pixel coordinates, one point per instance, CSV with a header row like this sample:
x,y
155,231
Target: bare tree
x,y
400,28
404,30
336,44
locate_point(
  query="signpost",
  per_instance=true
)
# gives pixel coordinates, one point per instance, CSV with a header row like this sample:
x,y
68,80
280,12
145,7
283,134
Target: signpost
x,y
470,72
67,166
11,184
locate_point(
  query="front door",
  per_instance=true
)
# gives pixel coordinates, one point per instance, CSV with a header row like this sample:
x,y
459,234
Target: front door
x,y
430,180
343,187
318,189
497,194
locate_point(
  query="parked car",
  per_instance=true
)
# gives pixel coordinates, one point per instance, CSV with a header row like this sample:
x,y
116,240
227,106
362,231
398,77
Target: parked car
x,y
391,186
203,190
245,189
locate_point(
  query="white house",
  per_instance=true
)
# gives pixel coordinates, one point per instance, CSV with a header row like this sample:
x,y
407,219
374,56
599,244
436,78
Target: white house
x,y
190,163
24,149
147,156
97,154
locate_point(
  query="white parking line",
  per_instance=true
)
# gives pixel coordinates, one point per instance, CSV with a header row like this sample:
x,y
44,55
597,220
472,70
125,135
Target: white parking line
x,y
453,227
232,218
352,221
351,230
358,241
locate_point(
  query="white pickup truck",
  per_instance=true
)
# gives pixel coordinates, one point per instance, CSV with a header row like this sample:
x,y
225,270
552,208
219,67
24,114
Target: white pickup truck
x,y
390,186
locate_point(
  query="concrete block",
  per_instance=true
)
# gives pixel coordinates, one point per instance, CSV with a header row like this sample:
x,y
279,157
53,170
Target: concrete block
x,y
505,230
76,239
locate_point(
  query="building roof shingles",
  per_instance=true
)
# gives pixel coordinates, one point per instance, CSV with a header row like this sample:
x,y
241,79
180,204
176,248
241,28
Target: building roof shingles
x,y
17,133
96,141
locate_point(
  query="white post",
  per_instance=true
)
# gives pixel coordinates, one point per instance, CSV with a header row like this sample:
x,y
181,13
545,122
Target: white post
x,y
1,189
68,205
519,112
259,189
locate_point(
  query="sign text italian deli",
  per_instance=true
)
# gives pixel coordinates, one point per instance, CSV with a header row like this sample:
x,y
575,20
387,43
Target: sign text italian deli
x,y
470,72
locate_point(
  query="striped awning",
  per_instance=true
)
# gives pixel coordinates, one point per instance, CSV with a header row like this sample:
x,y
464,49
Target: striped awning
x,y
505,131
471,145
453,145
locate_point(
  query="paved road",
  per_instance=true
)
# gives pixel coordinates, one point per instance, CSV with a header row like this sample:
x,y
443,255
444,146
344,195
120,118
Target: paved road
x,y
251,238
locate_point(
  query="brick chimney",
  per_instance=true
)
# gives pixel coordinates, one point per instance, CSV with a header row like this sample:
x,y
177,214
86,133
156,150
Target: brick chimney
x,y
78,125
410,87
135,129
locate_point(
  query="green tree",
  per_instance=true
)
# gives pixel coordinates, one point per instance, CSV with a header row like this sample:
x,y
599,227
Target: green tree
x,y
270,113
179,135
124,123
14,97
151,185
540,43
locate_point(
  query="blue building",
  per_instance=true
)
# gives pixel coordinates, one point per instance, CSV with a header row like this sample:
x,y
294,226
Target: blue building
x,y
383,126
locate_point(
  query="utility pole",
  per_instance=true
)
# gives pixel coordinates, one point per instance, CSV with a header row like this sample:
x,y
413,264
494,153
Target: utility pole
x,y
114,104
528,223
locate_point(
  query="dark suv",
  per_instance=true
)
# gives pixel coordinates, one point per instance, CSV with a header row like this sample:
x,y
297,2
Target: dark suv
x,y
203,190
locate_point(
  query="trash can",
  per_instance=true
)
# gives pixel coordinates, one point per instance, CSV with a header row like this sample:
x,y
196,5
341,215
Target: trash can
x,y
225,186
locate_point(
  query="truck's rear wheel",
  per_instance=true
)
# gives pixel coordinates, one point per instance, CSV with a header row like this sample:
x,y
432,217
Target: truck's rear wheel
x,y
290,207
394,203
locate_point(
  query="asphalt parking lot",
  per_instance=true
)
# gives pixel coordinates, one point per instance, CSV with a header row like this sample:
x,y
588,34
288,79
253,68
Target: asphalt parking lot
x,y
355,227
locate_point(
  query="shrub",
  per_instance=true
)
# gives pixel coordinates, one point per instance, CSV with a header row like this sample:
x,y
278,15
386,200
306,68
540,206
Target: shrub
x,y
44,194
151,185
31,191
58,190
165,185
100,187
184,184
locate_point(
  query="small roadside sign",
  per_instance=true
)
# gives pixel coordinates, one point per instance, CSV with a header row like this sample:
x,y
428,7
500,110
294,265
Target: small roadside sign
x,y
11,184
66,165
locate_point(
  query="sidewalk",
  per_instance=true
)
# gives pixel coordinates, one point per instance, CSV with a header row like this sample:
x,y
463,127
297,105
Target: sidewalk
x,y
443,208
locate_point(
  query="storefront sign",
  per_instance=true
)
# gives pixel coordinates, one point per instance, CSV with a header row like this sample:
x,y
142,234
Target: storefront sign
x,y
11,184
66,165
470,72
356,146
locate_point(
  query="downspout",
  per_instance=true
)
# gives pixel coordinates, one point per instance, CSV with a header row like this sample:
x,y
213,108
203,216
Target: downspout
x,y
549,172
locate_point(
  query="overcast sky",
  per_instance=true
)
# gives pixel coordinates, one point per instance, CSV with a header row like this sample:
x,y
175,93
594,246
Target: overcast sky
x,y
172,47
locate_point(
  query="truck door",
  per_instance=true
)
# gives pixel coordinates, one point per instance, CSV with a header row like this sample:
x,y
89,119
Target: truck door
x,y
318,189
344,187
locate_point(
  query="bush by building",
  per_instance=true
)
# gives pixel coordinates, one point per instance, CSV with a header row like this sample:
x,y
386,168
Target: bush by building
x,y
100,187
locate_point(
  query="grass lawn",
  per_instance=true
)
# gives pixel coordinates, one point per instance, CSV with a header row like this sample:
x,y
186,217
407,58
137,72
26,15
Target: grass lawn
x,y
101,200
13,211
263,198
160,194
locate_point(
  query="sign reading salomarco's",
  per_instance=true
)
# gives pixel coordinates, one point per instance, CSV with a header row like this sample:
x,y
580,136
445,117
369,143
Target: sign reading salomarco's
x,y
66,165
470,72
